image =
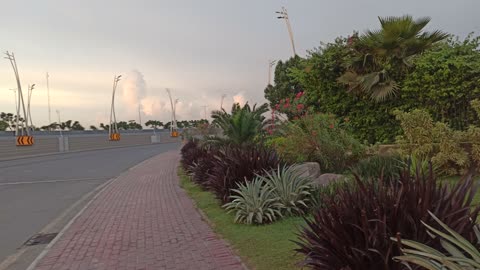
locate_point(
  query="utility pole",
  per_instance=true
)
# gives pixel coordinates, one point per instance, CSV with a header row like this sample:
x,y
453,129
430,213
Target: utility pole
x,y
221,103
283,14
21,103
48,96
113,118
271,63
205,111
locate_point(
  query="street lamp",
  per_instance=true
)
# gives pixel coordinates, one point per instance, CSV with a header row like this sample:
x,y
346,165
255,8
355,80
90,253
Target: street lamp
x,y
21,103
15,97
113,129
271,63
283,14
173,127
29,98
59,123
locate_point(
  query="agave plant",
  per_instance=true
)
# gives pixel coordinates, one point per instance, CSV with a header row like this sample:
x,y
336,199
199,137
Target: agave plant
x,y
291,189
253,203
463,255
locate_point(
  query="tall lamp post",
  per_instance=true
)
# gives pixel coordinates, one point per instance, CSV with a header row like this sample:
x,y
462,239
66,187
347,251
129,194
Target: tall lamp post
x,y
21,103
173,123
59,123
271,63
15,97
113,129
48,96
283,14
30,91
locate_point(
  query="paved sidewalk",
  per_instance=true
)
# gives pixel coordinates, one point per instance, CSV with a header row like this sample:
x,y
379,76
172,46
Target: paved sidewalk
x,y
142,221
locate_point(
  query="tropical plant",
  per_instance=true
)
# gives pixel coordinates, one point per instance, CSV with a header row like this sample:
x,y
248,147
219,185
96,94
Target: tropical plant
x,y
462,255
381,57
353,227
243,124
291,189
234,164
253,203
320,138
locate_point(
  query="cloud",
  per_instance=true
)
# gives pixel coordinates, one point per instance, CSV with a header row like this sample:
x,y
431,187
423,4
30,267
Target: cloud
x,y
133,90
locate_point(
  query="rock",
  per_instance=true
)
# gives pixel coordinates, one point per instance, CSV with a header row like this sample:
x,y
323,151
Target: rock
x,y
327,178
308,169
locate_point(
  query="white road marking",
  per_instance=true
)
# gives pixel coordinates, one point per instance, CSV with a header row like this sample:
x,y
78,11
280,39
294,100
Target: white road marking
x,y
51,181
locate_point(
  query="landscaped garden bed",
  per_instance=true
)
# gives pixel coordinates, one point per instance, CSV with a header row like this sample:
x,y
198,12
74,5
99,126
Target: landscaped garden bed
x,y
313,187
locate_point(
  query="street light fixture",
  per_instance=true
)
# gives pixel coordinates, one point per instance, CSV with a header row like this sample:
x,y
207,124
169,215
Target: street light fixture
x,y
283,15
113,129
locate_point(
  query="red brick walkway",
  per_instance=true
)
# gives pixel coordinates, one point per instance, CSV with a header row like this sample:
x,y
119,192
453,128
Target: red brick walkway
x,y
143,220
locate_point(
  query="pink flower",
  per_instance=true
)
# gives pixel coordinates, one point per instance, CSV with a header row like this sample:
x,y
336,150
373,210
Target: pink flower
x,y
286,105
332,125
300,107
287,100
277,107
299,95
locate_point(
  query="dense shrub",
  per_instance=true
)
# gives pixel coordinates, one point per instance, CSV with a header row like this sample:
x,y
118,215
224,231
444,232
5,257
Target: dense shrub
x,y
320,138
291,189
451,151
442,80
353,229
190,153
254,203
238,164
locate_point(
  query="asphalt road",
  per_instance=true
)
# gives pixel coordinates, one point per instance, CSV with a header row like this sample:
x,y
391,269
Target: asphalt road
x,y
34,191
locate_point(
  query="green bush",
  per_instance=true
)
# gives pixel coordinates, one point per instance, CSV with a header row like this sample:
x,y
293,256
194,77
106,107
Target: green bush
x,y
319,138
292,190
451,151
253,203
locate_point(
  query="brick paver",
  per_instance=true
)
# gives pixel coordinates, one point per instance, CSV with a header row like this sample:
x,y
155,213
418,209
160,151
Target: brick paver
x,y
142,221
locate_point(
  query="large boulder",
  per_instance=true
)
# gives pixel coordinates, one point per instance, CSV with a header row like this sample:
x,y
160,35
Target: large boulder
x,y
308,170
327,178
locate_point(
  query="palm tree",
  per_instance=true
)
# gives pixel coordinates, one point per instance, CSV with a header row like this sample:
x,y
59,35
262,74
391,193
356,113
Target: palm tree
x,y
382,56
243,125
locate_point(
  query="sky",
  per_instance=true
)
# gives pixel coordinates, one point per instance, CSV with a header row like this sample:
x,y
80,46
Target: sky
x,y
198,49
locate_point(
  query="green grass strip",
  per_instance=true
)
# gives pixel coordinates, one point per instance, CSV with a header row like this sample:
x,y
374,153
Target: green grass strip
x,y
262,247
